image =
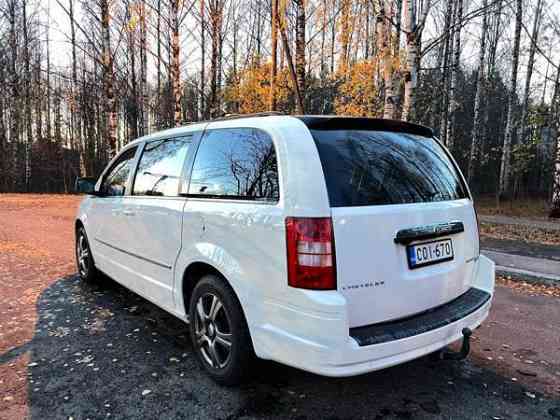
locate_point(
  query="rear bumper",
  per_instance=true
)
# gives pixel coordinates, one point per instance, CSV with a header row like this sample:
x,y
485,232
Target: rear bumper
x,y
319,340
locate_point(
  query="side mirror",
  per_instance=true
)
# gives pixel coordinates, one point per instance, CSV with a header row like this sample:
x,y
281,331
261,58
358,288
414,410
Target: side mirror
x,y
86,186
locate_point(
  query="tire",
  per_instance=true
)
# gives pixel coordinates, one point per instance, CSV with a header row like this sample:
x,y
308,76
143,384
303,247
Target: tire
x,y
217,319
84,258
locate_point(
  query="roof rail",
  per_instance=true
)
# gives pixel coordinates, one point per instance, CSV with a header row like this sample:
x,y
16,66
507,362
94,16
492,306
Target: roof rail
x,y
256,114
227,117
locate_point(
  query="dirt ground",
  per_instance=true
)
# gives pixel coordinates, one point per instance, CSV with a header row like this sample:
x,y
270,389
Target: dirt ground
x,y
61,342
535,208
36,238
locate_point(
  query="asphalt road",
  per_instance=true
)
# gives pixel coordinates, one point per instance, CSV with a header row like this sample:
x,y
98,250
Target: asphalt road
x,y
104,352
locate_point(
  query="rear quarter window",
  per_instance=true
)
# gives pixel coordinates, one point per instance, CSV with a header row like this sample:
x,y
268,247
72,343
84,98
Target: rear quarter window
x,y
236,163
364,168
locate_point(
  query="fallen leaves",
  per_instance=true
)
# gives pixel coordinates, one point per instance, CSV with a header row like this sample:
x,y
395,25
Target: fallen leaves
x,y
59,332
531,289
520,233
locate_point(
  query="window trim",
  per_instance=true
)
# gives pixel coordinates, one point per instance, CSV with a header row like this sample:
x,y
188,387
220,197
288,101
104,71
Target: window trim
x,y
230,198
189,138
111,165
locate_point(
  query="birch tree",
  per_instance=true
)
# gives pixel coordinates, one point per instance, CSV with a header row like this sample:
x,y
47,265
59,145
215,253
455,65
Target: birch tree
x,y
413,31
479,93
175,67
529,74
506,149
108,78
555,202
273,53
300,44
453,97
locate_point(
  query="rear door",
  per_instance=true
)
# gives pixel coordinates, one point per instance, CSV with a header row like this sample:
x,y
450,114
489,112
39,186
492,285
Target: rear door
x,y
390,192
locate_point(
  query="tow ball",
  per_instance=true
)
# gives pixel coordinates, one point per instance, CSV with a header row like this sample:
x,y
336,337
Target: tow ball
x,y
465,348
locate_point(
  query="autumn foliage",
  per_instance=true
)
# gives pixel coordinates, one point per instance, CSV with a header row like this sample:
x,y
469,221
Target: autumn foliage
x,y
250,90
359,94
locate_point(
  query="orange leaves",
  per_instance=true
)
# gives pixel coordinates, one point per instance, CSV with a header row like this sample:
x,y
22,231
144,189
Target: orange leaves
x,y
251,90
359,95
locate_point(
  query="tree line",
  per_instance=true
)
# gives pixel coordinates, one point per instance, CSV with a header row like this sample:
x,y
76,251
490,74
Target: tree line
x,y
484,74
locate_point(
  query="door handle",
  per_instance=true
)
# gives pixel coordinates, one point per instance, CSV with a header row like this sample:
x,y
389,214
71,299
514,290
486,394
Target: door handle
x,y
128,213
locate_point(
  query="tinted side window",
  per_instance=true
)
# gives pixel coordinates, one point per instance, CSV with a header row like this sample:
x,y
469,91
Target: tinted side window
x,y
236,163
364,168
114,183
160,167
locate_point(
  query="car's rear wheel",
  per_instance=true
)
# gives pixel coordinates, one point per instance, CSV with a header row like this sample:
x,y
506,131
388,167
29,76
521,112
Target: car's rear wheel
x,y
219,331
84,258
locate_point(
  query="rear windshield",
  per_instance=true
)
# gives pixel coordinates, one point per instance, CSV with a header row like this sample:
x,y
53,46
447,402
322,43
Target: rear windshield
x,y
364,168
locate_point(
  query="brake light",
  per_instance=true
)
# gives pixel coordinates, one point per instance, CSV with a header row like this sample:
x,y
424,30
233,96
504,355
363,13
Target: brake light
x,y
310,246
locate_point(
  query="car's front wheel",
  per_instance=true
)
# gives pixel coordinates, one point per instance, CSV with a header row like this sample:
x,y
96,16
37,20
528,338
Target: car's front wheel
x,y
219,331
84,259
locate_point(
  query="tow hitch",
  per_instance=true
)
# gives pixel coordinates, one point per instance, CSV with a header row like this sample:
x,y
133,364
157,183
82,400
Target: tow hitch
x,y
465,348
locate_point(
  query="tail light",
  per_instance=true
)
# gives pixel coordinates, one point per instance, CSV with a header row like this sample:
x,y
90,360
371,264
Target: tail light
x,y
310,245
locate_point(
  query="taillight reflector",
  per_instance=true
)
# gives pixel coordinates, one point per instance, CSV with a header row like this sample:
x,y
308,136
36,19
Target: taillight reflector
x,y
310,246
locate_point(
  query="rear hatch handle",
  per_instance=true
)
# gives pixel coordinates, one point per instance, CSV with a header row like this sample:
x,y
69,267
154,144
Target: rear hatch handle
x,y
406,236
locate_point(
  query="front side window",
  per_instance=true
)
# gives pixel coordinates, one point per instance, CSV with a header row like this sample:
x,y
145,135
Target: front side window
x,y
159,170
237,163
364,168
115,181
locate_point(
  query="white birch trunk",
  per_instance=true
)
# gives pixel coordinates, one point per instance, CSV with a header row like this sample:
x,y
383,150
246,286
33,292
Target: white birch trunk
x,y
479,92
555,203
453,100
506,150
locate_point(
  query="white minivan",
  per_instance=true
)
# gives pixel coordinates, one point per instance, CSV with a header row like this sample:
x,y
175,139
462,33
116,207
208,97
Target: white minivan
x,y
336,245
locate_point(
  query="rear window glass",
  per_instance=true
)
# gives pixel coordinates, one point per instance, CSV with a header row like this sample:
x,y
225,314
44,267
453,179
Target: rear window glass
x,y
364,168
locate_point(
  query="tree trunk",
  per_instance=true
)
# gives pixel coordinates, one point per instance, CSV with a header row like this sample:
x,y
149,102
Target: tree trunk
x,y
506,150
75,121
291,67
453,97
28,122
175,62
14,97
202,58
132,112
216,10
144,115
528,76
158,47
300,44
555,112
333,36
411,73
479,92
445,83
384,40
108,80
344,37
274,53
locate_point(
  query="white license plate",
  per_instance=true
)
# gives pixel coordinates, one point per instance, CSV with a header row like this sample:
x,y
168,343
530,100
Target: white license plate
x,y
429,253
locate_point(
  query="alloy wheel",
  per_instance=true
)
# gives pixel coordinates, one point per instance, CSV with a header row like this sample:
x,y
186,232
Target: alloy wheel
x,y
83,254
213,331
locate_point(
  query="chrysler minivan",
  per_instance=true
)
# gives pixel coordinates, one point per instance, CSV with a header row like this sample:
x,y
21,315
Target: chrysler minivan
x,y
336,245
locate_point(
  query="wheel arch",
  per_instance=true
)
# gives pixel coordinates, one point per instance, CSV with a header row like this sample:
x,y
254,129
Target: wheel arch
x,y
78,224
192,275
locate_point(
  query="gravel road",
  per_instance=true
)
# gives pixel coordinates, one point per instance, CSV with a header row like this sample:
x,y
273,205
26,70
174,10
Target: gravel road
x,y
70,350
